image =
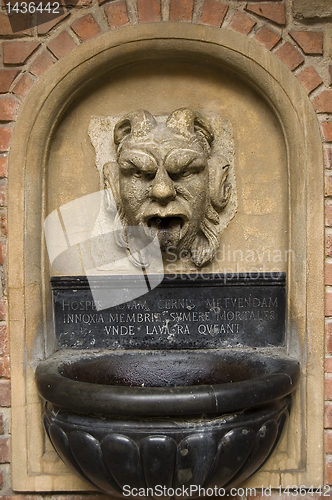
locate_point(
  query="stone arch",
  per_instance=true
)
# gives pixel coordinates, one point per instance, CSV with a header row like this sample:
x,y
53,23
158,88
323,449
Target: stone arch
x,y
38,118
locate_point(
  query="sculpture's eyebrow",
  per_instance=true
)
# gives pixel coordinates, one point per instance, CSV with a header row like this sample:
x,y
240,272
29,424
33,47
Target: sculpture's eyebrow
x,y
141,159
179,159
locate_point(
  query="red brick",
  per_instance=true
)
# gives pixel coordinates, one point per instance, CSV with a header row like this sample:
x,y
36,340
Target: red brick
x,y
18,24
272,11
328,215
86,27
61,45
181,11
242,23
289,55
328,330
328,473
329,245
18,52
4,367
149,10
4,450
8,109
46,21
323,102
328,185
309,79
328,365
7,76
23,86
328,442
330,71
1,424
41,64
327,130
116,13
267,37
328,303
328,388
213,13
3,166
311,42
5,136
328,274
5,393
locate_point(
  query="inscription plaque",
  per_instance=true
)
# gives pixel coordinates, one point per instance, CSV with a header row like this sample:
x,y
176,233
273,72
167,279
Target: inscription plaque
x,y
183,312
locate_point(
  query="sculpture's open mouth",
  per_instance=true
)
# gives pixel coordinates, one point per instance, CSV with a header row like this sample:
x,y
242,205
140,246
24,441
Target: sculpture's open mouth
x,y
169,229
166,223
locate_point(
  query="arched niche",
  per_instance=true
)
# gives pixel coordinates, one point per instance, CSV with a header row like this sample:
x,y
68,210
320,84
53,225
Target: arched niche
x,y
34,189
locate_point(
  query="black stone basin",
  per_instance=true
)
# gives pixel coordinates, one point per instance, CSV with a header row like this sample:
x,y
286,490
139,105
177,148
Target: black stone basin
x,y
164,383
171,419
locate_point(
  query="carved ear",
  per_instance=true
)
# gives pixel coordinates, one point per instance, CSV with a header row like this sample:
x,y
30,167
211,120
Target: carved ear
x,y
111,184
220,189
138,124
185,121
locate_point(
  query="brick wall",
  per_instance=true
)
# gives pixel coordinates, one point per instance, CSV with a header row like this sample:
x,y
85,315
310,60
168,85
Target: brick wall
x,y
298,33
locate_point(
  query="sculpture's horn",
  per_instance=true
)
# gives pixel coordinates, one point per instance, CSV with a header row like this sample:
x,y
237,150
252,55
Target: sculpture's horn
x,y
185,121
138,124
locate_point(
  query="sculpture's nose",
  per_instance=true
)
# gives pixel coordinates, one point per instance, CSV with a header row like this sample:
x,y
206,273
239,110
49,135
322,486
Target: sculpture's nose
x,y
162,189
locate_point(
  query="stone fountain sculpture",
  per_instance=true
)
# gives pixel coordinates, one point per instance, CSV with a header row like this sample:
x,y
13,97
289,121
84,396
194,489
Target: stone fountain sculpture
x,y
189,386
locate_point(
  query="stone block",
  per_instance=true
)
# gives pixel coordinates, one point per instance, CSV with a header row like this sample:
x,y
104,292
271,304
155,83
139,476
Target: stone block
x,y
311,9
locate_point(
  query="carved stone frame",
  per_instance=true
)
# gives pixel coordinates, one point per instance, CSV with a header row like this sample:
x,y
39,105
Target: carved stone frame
x,y
35,469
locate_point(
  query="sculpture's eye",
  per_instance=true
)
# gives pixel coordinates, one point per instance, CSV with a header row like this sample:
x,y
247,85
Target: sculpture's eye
x,y
140,174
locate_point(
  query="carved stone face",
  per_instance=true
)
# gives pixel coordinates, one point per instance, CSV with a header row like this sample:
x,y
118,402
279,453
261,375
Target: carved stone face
x,y
163,184
163,180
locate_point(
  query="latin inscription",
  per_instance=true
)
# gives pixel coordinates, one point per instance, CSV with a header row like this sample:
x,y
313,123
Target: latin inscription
x,y
206,317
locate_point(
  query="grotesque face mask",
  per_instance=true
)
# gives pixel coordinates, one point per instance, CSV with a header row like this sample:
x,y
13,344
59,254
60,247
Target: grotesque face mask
x,y
163,180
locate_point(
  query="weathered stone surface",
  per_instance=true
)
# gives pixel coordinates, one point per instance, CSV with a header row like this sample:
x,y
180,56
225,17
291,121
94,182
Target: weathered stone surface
x,y
312,8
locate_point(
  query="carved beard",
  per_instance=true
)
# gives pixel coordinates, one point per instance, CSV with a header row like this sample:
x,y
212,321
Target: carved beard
x,y
202,245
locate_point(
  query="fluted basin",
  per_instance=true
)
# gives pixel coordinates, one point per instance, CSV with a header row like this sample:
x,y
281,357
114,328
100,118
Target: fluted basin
x,y
172,419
